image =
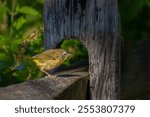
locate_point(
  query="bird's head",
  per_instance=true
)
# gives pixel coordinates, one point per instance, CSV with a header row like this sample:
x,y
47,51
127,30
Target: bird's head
x,y
65,55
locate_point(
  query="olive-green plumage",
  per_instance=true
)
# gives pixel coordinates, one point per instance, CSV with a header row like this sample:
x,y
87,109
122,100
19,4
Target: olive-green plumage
x,y
50,59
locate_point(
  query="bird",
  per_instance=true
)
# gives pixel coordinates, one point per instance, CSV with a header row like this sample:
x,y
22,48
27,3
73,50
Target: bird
x,y
47,60
50,59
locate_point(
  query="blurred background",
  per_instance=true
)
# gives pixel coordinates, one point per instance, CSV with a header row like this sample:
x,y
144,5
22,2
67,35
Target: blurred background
x,y
21,35
135,32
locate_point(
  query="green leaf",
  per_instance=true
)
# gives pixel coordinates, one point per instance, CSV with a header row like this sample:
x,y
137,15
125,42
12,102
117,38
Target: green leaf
x,y
40,1
4,57
29,11
3,41
1,37
3,9
19,23
15,44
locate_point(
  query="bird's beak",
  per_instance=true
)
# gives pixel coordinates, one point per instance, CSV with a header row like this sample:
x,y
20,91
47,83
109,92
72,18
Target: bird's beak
x,y
69,54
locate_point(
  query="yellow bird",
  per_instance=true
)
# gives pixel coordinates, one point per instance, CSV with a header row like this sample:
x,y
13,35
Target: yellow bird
x,y
50,59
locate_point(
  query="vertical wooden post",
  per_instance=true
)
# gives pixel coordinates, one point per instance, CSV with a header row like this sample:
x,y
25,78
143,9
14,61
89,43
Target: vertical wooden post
x,y
96,24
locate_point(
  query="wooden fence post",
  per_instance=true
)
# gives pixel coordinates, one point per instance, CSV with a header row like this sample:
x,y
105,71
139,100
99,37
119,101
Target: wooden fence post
x,y
96,24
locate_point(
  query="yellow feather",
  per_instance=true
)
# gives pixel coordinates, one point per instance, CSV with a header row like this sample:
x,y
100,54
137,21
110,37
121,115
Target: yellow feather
x,y
50,59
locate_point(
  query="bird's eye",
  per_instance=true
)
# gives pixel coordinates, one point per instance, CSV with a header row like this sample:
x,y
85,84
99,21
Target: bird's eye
x,y
64,53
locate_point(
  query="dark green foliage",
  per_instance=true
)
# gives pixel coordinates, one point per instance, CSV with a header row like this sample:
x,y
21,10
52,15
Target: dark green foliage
x,y
135,20
19,18
135,28
129,9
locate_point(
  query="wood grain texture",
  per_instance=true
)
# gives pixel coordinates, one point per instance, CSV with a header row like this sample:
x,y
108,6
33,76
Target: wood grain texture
x,y
67,86
96,24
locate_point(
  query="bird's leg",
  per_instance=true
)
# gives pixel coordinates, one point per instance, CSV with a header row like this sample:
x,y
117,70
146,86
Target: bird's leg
x,y
48,75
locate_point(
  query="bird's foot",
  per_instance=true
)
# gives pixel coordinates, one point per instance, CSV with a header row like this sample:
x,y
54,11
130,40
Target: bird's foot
x,y
51,76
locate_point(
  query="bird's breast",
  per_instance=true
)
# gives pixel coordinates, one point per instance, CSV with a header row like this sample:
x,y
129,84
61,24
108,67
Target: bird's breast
x,y
52,64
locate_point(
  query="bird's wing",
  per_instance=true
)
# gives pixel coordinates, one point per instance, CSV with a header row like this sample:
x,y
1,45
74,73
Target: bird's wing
x,y
51,64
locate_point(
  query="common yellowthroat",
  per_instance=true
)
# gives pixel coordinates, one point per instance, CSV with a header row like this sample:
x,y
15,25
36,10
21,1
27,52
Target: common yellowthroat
x,y
50,59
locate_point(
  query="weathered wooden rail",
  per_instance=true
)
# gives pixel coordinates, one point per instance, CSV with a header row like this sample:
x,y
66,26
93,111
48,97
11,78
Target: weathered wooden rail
x,y
68,85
